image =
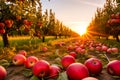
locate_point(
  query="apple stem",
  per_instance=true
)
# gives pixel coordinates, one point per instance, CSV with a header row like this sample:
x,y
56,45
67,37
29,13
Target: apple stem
x,y
107,57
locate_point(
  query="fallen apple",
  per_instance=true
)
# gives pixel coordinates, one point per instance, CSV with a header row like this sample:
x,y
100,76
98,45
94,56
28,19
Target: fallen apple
x,y
77,71
73,54
113,67
67,60
30,61
41,68
23,52
3,73
54,71
94,65
18,59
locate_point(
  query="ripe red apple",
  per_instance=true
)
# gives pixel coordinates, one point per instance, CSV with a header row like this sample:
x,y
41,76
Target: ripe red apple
x,y
109,50
9,23
70,47
2,25
78,50
89,78
30,61
67,60
73,54
113,67
115,50
94,65
2,31
104,48
44,49
77,71
3,73
82,51
41,68
54,71
98,48
25,21
23,52
18,17
91,48
18,59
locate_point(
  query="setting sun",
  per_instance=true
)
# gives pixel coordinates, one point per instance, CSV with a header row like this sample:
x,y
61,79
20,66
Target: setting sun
x,y
80,28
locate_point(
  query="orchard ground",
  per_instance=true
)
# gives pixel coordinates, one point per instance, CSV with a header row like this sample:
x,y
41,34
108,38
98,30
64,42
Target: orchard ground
x,y
53,55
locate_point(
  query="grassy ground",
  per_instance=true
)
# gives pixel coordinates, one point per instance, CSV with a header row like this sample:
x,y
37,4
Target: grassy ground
x,y
54,54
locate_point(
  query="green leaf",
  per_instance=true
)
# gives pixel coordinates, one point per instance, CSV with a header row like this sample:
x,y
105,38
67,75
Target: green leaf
x,y
27,72
34,78
63,76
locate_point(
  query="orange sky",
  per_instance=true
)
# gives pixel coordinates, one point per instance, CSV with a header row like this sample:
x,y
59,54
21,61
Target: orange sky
x,y
74,13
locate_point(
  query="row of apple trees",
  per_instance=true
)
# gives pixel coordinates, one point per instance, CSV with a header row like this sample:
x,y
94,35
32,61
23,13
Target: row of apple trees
x,y
106,21
25,17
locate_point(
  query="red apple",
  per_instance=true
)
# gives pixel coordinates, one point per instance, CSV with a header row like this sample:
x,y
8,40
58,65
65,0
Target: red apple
x,y
23,52
25,22
70,47
94,65
41,68
30,61
77,71
2,31
78,50
73,54
44,49
82,51
18,17
115,50
104,48
109,50
3,73
113,67
54,71
98,48
91,48
2,25
89,78
67,60
9,23
18,59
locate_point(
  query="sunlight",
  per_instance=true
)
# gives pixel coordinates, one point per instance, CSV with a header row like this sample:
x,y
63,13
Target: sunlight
x,y
81,28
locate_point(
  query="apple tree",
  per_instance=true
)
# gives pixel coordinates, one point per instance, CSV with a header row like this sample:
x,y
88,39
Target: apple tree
x,y
19,16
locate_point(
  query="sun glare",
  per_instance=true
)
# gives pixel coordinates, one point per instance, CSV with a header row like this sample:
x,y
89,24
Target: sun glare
x,y
81,29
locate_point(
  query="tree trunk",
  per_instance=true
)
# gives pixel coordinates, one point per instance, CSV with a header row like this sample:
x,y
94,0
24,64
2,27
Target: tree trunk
x,y
106,37
56,37
43,38
5,40
117,38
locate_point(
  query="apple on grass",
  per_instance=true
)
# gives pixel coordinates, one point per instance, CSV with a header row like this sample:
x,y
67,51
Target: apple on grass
x,y
54,71
115,50
77,71
30,61
73,54
19,59
23,52
44,49
67,60
113,68
94,65
3,73
41,69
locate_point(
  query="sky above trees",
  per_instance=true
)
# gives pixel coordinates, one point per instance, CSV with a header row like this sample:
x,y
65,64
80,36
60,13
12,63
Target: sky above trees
x,y
73,13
